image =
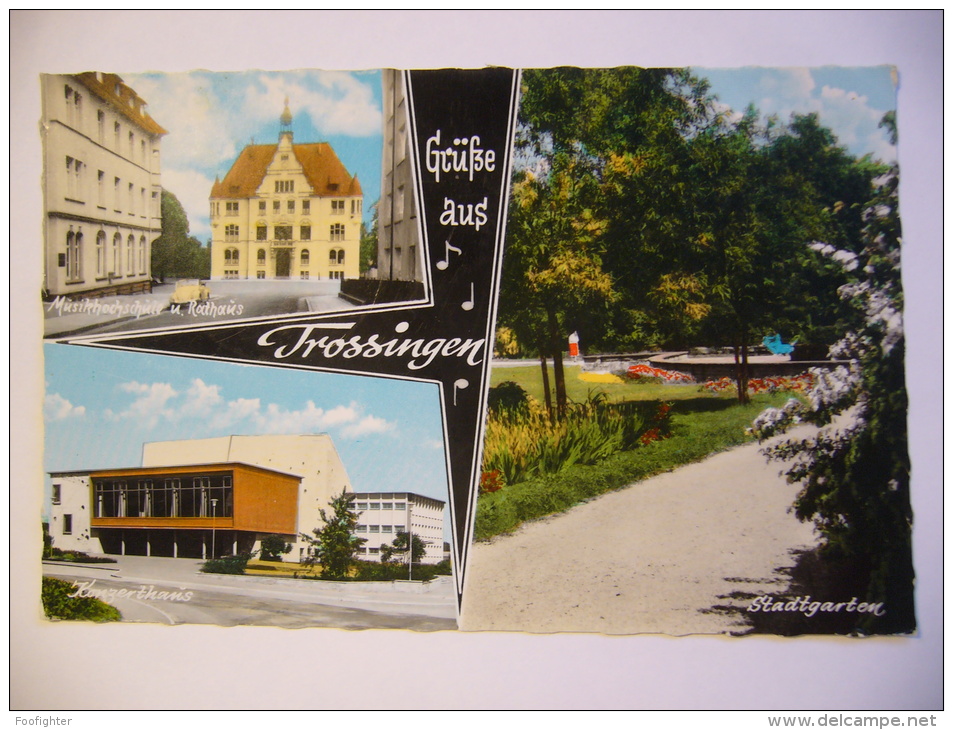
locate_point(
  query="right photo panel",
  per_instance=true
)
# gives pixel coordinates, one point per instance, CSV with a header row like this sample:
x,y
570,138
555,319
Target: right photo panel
x,y
697,415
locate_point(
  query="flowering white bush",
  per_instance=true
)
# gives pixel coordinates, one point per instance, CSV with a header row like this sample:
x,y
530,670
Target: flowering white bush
x,y
854,474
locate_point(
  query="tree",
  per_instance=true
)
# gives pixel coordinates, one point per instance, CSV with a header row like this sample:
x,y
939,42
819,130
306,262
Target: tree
x,y
399,545
175,253
334,546
369,243
273,547
855,473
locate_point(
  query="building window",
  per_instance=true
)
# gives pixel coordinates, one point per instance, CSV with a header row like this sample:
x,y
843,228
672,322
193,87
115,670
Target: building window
x,y
305,257
261,257
399,505
373,551
387,529
262,232
101,254
101,126
336,257
231,232
74,178
261,207
57,493
284,186
117,135
291,206
132,207
374,505
282,233
360,505
337,207
336,275
143,254
337,232
132,145
260,275
399,204
306,207
360,528
130,255
231,256
117,193
74,256
375,528
305,233
117,256
156,206
142,152
231,273
101,189
231,207
142,202
305,275
67,524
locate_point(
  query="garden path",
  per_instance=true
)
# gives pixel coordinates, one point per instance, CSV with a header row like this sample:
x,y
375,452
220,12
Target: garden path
x,y
655,557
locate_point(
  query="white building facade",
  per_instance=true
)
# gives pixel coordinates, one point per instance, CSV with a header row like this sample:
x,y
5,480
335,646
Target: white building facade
x,y
101,182
381,515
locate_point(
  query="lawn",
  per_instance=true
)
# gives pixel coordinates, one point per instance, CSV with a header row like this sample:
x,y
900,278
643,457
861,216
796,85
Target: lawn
x,y
702,423
530,379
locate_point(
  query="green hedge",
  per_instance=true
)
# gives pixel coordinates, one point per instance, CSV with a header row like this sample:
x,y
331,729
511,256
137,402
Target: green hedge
x,y
57,603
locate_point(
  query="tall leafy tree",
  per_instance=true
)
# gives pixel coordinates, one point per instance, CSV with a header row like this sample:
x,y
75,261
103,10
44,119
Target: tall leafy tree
x,y
399,547
335,545
175,253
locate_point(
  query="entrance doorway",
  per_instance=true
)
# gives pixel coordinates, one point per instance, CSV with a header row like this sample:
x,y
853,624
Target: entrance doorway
x,y
282,263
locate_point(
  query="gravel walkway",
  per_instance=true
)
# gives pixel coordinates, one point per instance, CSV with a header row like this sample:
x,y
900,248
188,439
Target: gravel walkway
x,y
655,557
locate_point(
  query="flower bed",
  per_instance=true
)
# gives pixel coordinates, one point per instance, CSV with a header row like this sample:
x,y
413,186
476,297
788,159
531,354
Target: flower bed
x,y
642,370
781,384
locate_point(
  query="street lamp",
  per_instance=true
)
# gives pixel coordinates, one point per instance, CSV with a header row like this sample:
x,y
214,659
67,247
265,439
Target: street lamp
x,y
214,502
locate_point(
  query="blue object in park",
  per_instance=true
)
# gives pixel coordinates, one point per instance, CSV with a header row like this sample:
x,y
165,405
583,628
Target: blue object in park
x,y
774,344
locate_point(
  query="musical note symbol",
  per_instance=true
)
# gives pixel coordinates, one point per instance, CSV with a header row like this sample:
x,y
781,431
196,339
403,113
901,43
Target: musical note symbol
x,y
468,305
445,261
460,384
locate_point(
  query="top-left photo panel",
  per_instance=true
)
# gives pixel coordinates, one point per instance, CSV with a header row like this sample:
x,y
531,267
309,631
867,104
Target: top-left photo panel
x,y
179,200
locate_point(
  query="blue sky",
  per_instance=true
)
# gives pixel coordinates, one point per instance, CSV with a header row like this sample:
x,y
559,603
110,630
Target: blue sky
x,y
388,432
850,101
210,117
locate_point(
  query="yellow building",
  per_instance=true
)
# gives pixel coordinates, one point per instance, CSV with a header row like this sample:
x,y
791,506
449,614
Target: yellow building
x,y
286,211
101,186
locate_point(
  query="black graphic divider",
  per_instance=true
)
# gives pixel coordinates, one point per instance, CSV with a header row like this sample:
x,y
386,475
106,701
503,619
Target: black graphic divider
x,y
462,126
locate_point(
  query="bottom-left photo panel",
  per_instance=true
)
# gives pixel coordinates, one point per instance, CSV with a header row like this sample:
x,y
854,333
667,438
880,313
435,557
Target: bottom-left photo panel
x,y
189,491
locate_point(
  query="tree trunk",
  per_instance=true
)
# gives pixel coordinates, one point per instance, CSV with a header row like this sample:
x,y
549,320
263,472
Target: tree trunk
x,y
559,375
546,394
741,365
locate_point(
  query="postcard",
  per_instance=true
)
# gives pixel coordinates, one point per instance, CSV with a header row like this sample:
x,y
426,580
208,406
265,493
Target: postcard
x,y
610,351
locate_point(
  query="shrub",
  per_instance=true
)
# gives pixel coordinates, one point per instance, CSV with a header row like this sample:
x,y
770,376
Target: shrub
x,y
230,564
58,603
273,547
508,397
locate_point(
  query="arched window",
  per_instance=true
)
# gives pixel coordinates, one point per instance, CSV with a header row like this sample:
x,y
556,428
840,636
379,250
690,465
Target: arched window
x,y
261,257
116,269
305,257
337,256
101,253
231,256
74,255
130,255
143,254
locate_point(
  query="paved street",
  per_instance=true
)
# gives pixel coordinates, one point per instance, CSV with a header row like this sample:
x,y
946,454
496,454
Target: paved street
x,y
230,301
173,591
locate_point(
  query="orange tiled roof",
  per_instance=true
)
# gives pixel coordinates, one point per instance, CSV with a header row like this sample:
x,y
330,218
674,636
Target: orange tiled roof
x,y
127,102
325,172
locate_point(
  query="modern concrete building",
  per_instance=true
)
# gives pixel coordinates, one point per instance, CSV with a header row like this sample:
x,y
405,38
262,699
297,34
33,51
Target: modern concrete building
x,y
286,211
190,495
381,515
101,186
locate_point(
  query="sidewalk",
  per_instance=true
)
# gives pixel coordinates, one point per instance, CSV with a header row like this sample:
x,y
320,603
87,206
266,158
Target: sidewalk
x,y
435,599
63,317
